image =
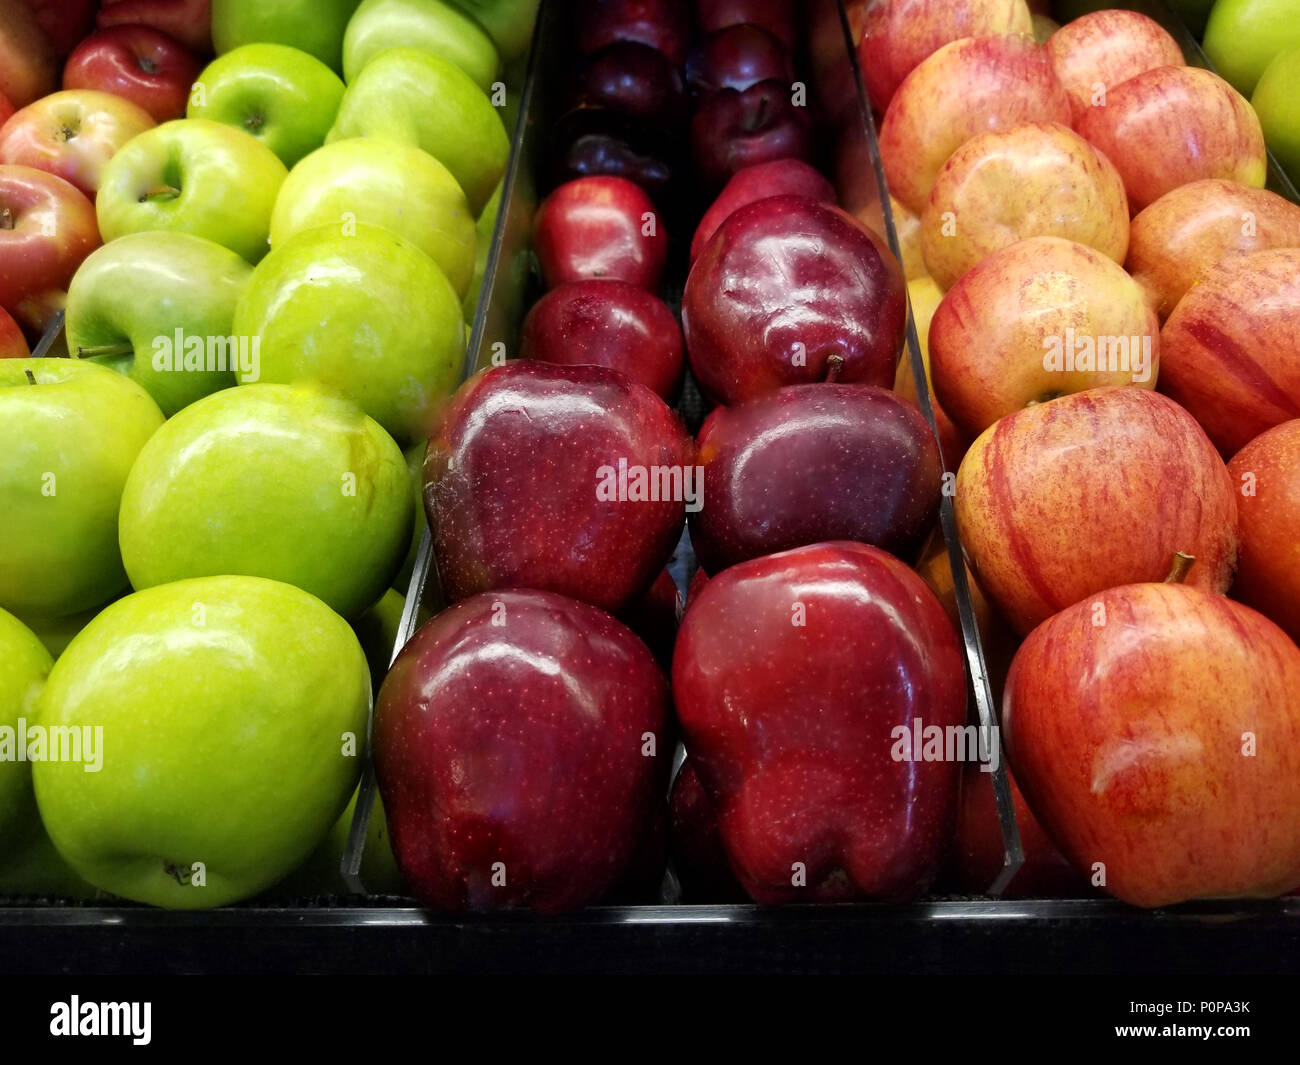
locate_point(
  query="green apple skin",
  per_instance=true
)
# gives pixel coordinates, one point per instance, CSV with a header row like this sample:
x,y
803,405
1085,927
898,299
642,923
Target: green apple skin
x,y
233,712
1243,36
433,26
412,96
321,873
314,26
368,316
377,629
484,229
509,23
68,443
189,283
1275,103
196,176
24,665
414,455
277,481
283,96
56,633
389,184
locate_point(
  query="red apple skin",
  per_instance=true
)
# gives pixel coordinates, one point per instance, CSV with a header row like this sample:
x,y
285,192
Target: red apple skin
x,y
1107,47
654,616
780,177
632,79
775,16
736,58
6,109
65,22
1171,125
1231,348
1195,226
699,856
608,323
1059,501
511,729
188,21
811,463
13,344
784,284
600,229
698,581
511,484
733,129
1129,740
1267,475
29,65
967,87
662,24
47,228
898,34
791,726
72,134
139,64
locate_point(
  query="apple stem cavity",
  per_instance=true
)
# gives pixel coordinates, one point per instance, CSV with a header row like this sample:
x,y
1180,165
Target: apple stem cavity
x,y
1178,570
834,367
105,349
6,219
160,192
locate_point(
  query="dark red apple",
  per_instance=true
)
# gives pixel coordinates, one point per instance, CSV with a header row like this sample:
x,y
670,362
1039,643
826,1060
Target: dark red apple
x,y
13,344
139,64
573,479
797,678
735,128
662,24
600,229
188,21
518,746
699,857
775,16
65,22
781,177
811,463
789,291
634,79
591,143
607,323
693,590
654,616
736,58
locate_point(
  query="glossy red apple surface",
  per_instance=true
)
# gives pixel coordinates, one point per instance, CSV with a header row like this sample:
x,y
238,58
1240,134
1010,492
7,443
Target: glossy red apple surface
x,y
139,64
634,79
65,22
778,17
736,58
662,24
781,177
735,128
699,857
188,21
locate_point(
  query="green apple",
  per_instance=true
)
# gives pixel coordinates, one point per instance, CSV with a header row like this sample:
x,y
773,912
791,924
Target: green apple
x,y
1243,36
388,184
377,629
484,229
1275,101
429,25
315,26
321,873
56,633
277,481
37,869
508,22
366,315
176,342
284,97
414,455
412,96
69,432
193,176
233,713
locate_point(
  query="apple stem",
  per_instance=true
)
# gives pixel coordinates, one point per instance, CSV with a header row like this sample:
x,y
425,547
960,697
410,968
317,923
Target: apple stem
x,y
6,219
160,192
1178,571
834,367
105,349
31,377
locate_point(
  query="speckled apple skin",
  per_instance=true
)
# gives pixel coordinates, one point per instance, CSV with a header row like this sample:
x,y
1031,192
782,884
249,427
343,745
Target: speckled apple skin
x,y
511,729
1127,739
789,726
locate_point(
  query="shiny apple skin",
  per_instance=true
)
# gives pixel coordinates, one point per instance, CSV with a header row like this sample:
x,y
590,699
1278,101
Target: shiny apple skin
x,y
787,279
966,87
511,729
988,334
1107,47
607,323
634,79
1062,500
661,24
654,616
13,344
736,128
139,64
775,16
511,483
736,58
1168,126
1039,179
595,229
699,856
1268,508
811,463
789,726
1193,227
1231,349
780,177
1127,739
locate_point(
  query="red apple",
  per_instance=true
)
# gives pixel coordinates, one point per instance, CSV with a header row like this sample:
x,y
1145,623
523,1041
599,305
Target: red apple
x,y
775,16
1040,318
47,228
966,87
1267,474
29,66
788,291
601,142
662,24
1101,50
698,581
1195,226
793,676
733,129
572,479
699,857
1230,352
13,344
1171,125
736,58
65,22
654,616
1062,500
520,749
781,177
6,109
139,64
188,21
607,323
898,34
811,463
72,134
632,79
1160,746
600,229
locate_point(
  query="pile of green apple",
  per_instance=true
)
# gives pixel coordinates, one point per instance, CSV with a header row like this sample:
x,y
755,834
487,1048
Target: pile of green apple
x,y
207,504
